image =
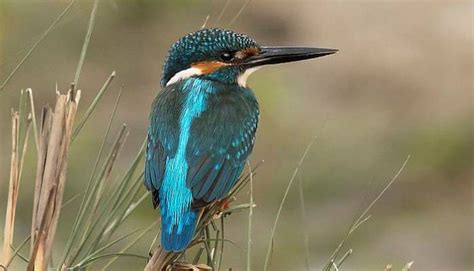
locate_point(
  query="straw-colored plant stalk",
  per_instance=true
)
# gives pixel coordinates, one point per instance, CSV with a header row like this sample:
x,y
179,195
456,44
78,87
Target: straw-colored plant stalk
x,y
12,192
20,132
16,165
54,139
106,204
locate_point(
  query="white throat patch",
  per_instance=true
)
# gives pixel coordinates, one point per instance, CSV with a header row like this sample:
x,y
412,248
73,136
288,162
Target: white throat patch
x,y
190,72
181,75
242,79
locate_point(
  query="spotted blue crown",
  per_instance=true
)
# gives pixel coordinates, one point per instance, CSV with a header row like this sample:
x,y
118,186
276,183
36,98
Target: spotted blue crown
x,y
204,44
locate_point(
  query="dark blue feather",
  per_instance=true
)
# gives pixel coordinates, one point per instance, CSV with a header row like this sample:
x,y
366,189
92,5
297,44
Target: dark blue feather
x,y
225,132
179,237
162,140
219,135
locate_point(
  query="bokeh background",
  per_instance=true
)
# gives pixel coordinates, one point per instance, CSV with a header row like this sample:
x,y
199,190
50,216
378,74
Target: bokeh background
x,y
402,84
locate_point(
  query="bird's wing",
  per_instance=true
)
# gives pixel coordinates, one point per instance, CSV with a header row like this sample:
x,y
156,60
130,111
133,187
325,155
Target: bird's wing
x,y
221,138
220,141
162,140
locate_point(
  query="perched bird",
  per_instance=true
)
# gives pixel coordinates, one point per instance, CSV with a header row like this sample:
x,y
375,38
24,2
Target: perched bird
x,y
203,123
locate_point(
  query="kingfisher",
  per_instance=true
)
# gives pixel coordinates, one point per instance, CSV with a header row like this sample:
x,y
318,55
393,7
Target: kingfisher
x,y
202,124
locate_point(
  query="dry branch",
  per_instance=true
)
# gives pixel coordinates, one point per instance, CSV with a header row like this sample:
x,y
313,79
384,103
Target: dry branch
x,y
158,260
55,136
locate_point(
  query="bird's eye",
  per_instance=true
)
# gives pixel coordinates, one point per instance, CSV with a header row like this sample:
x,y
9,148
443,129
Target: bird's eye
x,y
227,56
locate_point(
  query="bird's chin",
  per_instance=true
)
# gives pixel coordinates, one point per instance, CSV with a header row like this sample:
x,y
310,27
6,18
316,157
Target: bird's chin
x,y
242,78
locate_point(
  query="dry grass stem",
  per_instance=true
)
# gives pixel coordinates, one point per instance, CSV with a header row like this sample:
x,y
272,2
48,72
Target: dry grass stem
x,y
282,203
93,105
222,12
20,133
158,261
304,222
239,12
55,137
30,51
12,190
362,218
249,233
85,44
29,92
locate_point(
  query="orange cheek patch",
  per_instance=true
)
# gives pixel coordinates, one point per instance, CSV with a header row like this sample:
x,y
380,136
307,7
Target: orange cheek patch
x,y
207,67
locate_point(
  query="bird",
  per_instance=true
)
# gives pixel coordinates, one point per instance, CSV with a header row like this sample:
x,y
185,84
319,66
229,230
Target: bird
x,y
203,122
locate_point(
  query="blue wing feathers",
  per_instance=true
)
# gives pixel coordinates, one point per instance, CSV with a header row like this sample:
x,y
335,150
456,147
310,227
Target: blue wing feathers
x,y
210,178
163,135
177,238
220,140
154,167
223,133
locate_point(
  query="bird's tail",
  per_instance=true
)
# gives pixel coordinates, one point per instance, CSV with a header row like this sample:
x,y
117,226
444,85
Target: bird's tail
x,y
177,237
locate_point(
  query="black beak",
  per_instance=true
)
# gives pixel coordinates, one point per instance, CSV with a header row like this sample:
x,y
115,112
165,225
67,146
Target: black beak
x,y
275,55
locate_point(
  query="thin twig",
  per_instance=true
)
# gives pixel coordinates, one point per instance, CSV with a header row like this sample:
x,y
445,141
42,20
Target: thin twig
x,y
221,254
113,155
198,255
205,21
72,199
207,245
219,17
304,222
87,39
103,248
90,200
112,255
16,167
118,215
344,257
17,251
272,232
12,190
239,12
130,244
29,91
249,233
362,217
93,105
90,183
22,61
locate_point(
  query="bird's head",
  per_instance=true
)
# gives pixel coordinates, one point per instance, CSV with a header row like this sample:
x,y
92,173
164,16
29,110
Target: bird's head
x,y
226,56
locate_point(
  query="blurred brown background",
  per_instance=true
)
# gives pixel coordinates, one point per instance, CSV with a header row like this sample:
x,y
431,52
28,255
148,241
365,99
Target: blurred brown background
x,y
401,84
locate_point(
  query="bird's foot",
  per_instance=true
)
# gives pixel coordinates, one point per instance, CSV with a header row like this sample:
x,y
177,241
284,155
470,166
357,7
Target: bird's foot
x,y
223,206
